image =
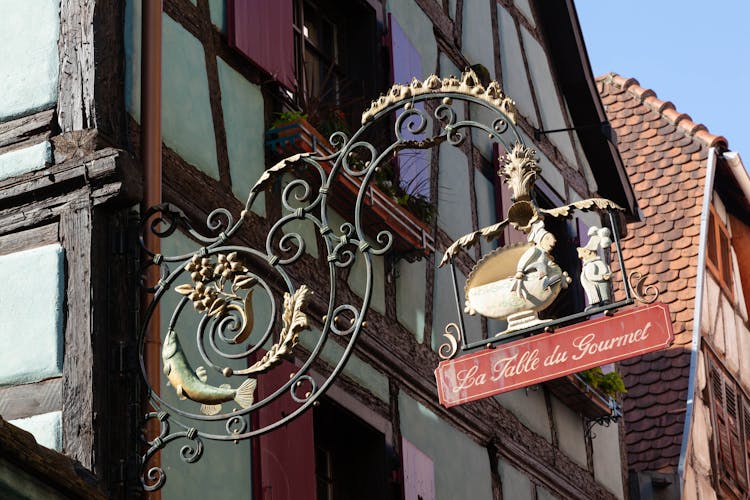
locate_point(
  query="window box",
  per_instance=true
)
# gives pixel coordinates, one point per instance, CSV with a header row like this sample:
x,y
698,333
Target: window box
x,y
581,397
380,212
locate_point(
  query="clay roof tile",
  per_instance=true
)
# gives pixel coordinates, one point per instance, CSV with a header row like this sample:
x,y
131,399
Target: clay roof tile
x,y
664,152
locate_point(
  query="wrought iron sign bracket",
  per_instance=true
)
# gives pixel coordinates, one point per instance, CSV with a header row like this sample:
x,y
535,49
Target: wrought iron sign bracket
x,y
232,313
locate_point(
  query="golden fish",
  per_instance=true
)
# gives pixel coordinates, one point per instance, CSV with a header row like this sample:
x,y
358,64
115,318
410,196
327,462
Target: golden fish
x,y
192,385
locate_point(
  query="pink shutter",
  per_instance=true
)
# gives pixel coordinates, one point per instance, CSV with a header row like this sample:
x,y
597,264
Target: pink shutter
x,y
419,473
262,30
287,455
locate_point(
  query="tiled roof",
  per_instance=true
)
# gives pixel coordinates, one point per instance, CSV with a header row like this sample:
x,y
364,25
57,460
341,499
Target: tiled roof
x,y
665,154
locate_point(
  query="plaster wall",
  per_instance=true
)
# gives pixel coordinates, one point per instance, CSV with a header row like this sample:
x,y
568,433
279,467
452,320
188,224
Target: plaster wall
x,y
242,106
462,468
28,159
31,346
486,214
29,30
452,9
569,427
444,305
454,202
516,485
357,280
355,369
551,108
218,9
529,406
698,472
187,123
515,82
46,428
411,283
420,31
525,8
477,49
550,172
730,335
712,320
607,464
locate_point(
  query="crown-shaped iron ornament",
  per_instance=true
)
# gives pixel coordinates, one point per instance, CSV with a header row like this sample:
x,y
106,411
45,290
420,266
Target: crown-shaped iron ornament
x,y
220,286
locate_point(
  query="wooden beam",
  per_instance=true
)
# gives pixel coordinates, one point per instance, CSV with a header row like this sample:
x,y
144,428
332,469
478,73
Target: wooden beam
x,y
21,401
26,127
75,88
47,466
78,415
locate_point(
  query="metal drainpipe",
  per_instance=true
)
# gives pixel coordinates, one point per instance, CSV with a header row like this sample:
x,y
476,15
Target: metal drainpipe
x,y
698,312
151,156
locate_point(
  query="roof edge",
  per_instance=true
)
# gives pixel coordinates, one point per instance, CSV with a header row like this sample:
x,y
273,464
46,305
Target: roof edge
x,y
666,109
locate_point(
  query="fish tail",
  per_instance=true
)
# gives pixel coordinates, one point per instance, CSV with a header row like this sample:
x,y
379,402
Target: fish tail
x,y
245,393
210,409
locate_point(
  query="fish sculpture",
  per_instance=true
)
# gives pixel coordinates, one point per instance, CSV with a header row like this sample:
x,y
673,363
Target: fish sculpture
x,y
192,385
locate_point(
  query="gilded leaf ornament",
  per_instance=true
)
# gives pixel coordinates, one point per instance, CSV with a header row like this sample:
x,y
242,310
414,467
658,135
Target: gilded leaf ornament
x,y
295,321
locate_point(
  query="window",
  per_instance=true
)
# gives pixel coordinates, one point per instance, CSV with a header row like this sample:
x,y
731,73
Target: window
x,y
335,61
729,409
719,252
350,456
328,64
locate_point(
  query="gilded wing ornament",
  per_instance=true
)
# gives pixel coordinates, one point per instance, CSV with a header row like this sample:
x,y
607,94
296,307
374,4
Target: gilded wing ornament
x,y
584,205
277,169
471,239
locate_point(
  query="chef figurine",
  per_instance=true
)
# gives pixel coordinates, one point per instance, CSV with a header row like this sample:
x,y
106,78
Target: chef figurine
x,y
536,258
596,274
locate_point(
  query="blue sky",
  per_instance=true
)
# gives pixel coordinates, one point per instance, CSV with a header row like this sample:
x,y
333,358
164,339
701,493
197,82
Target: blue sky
x,y
693,53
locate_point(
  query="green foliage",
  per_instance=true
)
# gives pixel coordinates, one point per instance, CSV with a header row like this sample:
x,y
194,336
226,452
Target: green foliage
x,y
610,384
406,196
288,116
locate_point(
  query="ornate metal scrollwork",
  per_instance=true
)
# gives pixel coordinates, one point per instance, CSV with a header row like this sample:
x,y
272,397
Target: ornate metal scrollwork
x,y
646,294
211,299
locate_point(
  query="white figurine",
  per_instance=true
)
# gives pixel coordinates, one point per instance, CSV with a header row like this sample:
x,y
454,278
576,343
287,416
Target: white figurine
x,y
596,274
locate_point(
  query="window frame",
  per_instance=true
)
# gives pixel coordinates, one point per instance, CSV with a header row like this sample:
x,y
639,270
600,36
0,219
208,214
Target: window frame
x,y
719,268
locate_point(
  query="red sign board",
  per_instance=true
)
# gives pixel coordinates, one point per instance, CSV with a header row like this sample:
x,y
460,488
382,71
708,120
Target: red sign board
x,y
548,356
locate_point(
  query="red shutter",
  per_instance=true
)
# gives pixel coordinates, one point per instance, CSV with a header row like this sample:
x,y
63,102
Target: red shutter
x,y
728,442
262,30
287,455
722,433
734,431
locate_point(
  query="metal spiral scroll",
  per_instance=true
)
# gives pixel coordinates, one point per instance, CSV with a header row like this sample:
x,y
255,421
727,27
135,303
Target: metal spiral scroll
x,y
214,291
646,294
